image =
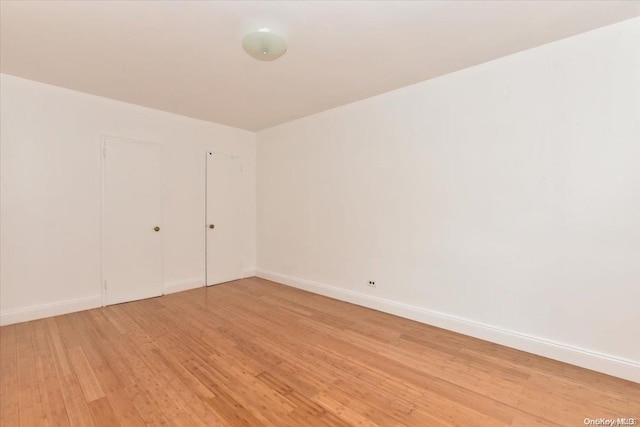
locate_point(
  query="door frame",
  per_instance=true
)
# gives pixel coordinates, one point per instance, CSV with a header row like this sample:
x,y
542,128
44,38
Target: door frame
x,y
103,164
207,153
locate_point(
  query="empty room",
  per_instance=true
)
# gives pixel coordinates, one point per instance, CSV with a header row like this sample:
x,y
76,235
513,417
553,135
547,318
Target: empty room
x,y
319,213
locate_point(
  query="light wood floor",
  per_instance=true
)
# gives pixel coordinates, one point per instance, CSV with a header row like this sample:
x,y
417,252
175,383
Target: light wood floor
x,y
253,353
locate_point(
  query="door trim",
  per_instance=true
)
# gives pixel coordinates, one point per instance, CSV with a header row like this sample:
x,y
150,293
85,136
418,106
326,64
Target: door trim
x,y
103,164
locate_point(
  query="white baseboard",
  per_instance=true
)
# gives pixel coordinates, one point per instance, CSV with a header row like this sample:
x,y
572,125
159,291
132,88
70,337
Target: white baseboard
x,y
79,304
611,365
48,310
183,285
197,282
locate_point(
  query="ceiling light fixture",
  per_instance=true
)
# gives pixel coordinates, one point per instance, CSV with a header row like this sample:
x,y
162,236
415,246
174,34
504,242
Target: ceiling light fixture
x,y
264,45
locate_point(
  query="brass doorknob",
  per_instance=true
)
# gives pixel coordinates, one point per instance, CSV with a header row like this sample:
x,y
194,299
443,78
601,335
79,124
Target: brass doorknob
x,y
212,226
156,228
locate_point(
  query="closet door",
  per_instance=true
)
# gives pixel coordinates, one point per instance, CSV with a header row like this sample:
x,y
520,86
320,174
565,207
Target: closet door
x,y
132,214
224,218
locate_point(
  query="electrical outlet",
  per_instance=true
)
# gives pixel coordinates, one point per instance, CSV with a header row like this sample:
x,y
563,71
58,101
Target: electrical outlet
x,y
372,283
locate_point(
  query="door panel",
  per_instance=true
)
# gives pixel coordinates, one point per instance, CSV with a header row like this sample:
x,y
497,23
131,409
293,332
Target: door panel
x,y
132,258
225,214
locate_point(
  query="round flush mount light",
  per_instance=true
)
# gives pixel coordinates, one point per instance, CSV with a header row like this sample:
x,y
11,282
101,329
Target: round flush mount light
x,y
264,45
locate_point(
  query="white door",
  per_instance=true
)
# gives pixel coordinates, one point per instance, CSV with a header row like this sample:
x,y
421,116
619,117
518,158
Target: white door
x,y
132,213
224,218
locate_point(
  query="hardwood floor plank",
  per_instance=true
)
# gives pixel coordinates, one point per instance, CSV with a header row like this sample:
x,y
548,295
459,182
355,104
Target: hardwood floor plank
x,y
9,406
146,406
103,414
58,348
75,402
116,394
224,404
55,412
29,402
344,412
90,385
256,353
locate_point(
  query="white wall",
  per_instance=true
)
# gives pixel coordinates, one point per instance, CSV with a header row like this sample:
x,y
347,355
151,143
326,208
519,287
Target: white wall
x,y
50,187
502,201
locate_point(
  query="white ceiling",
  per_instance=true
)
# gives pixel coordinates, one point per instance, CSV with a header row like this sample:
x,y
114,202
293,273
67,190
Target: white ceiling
x,y
186,56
